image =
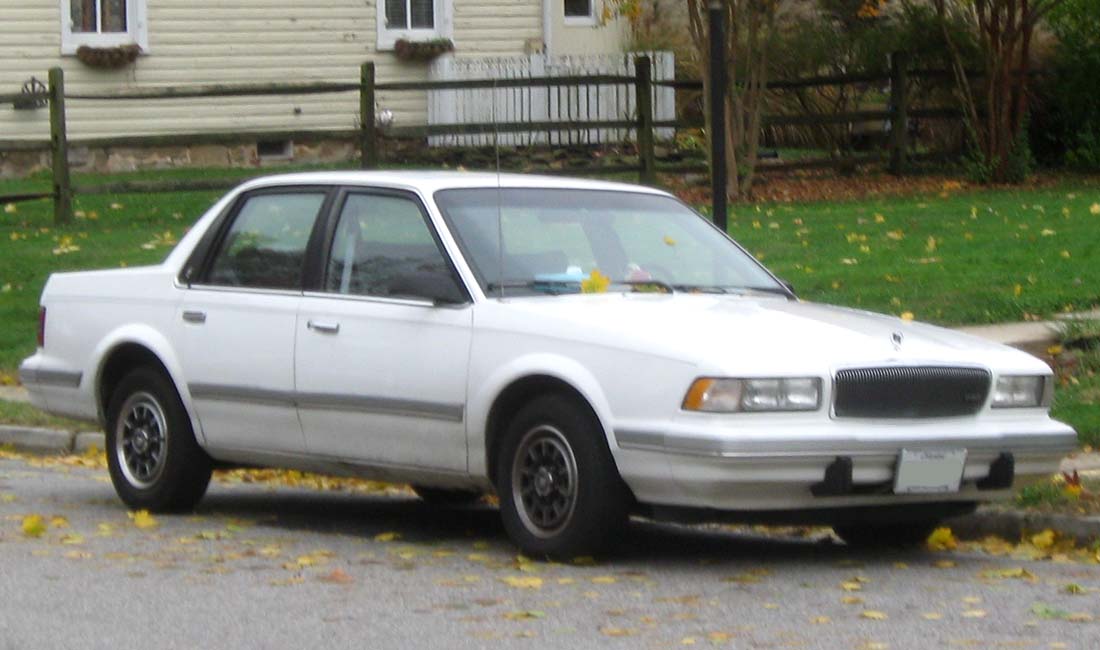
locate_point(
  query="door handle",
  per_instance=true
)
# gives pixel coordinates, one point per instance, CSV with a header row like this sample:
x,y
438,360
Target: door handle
x,y
323,327
198,317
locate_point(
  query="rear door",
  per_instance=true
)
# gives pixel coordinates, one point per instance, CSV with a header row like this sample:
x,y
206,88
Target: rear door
x,y
381,369
238,318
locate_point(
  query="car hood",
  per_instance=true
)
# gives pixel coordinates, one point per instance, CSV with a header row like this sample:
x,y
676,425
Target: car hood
x,y
749,334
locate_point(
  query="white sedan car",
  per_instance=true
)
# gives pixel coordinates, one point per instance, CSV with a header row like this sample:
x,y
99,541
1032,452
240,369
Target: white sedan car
x,y
585,350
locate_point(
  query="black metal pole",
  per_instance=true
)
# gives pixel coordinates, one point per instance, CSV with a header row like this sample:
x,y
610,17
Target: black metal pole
x,y
718,89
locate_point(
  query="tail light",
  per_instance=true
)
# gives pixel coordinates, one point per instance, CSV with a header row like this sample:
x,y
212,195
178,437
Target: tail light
x,y
41,327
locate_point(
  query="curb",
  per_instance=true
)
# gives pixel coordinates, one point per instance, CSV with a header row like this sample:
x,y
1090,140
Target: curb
x,y
50,441
1014,524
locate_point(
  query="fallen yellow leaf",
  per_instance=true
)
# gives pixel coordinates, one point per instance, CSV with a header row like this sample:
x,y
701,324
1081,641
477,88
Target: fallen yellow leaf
x,y
1094,208
974,613
873,615
604,580
1044,540
616,631
523,582
820,620
34,526
906,316
931,616
142,519
852,600
942,539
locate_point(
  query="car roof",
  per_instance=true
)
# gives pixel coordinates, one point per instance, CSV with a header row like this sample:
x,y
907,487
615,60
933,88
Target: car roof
x,y
429,182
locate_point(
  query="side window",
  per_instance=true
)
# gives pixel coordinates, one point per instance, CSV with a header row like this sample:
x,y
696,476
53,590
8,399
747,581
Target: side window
x,y
265,246
382,243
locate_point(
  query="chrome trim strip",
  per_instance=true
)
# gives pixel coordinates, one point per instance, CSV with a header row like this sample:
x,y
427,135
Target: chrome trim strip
x,y
226,393
40,377
219,288
384,300
719,448
329,401
381,405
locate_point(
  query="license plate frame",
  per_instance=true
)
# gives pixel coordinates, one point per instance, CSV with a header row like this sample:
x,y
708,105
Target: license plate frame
x,y
929,471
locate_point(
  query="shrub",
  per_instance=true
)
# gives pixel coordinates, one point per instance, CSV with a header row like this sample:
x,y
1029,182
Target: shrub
x,y
1069,132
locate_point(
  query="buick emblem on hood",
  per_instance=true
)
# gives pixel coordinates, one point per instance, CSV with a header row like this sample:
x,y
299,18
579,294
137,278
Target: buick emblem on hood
x,y
897,338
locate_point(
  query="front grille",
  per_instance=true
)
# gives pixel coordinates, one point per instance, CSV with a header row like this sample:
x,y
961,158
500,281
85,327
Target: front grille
x,y
914,392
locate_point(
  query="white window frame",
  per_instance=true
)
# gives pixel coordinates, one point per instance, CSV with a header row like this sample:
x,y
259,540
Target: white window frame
x,y
444,26
137,30
581,21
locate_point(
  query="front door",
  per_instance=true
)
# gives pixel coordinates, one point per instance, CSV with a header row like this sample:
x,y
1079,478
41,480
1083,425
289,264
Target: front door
x,y
237,322
381,370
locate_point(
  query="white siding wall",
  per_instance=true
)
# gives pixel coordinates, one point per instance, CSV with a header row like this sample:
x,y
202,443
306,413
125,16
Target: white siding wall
x,y
240,41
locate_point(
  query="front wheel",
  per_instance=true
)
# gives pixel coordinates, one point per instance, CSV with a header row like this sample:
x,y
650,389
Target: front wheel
x,y
152,455
561,495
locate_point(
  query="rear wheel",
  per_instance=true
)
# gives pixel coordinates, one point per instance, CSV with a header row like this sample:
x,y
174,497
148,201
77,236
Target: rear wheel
x,y
896,535
152,455
560,493
445,496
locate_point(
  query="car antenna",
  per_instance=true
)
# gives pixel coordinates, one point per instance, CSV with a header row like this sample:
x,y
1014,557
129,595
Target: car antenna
x,y
500,208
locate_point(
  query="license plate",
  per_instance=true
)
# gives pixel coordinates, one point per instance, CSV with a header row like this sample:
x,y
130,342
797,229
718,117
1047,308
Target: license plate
x,y
929,471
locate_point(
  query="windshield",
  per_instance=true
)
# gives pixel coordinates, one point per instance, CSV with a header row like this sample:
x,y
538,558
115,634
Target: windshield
x,y
567,240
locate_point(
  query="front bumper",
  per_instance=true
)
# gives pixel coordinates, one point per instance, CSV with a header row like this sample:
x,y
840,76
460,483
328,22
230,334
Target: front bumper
x,y
782,465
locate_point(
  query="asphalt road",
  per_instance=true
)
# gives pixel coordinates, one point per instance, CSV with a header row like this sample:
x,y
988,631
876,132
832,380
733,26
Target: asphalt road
x,y
277,567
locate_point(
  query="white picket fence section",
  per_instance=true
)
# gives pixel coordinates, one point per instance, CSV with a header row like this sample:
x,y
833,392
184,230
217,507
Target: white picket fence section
x,y
564,103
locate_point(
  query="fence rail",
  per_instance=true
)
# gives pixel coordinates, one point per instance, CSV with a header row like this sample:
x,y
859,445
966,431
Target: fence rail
x,y
644,124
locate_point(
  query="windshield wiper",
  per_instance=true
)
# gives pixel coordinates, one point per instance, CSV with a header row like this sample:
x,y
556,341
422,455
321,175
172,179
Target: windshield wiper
x,y
664,286
702,288
548,287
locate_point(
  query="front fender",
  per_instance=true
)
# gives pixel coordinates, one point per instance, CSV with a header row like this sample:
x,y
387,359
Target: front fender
x,y
485,391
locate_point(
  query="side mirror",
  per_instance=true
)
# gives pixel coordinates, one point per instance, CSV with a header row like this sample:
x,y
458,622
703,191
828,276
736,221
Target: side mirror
x,y
438,286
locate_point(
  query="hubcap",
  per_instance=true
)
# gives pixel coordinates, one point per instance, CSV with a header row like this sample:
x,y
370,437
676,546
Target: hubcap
x,y
544,481
141,440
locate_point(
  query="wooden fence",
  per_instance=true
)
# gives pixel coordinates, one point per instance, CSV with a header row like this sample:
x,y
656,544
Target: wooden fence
x,y
370,133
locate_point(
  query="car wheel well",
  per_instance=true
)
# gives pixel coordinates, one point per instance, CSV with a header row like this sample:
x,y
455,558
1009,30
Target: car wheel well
x,y
512,399
120,362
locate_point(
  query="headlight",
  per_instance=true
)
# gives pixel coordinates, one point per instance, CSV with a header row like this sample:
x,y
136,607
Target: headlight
x,y
731,395
1016,391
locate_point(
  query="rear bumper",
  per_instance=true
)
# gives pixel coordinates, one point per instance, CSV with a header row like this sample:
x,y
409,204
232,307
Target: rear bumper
x,y
777,468
55,389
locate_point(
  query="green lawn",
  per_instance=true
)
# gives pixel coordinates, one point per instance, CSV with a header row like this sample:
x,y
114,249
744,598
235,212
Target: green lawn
x,y
954,258
957,257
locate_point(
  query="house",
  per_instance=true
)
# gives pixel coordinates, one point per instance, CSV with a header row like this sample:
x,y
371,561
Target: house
x,y
188,42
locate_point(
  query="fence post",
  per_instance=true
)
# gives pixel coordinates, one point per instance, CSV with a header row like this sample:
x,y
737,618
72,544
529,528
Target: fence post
x,y
899,109
643,88
368,133
59,150
719,82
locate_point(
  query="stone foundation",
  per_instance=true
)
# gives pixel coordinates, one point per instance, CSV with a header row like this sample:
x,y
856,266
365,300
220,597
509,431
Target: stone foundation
x,y
20,164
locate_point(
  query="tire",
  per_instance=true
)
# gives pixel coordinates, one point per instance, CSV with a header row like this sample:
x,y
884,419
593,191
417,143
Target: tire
x,y
152,455
884,536
561,495
446,497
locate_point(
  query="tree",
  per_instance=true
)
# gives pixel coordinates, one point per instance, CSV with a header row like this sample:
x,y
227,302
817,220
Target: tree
x,y
996,107
750,27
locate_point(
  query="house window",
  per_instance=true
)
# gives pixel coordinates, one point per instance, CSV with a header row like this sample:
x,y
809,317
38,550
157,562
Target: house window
x,y
102,23
580,12
410,14
413,20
